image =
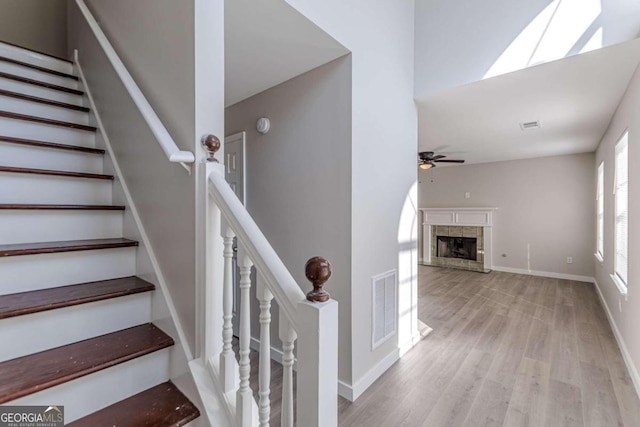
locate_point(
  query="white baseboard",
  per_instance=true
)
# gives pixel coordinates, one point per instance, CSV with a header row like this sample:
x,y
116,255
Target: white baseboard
x,y
351,393
550,274
631,367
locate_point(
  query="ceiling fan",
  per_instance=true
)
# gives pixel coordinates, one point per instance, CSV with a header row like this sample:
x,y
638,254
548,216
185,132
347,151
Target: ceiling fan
x,y
428,160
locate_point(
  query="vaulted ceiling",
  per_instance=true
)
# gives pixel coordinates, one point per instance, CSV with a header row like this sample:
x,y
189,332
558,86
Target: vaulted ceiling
x,y
482,68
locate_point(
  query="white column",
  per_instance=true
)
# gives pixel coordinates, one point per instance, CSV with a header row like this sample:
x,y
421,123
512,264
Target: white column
x,y
244,398
209,304
264,404
228,376
317,392
288,337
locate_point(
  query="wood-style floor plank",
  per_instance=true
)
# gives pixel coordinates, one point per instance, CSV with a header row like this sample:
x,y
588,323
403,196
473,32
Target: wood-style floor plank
x,y
564,405
507,350
529,399
600,405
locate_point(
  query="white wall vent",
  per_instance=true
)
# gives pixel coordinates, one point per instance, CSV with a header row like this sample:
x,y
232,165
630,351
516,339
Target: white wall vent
x,y
384,307
530,125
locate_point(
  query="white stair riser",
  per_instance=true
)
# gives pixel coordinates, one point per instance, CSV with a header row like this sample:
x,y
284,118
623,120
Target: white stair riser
x,y
40,92
91,393
44,132
32,272
50,226
46,189
41,76
55,328
16,105
34,58
26,156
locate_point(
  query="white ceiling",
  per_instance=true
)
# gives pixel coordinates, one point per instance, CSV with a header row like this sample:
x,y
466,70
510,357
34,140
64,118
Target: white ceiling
x,y
268,42
573,98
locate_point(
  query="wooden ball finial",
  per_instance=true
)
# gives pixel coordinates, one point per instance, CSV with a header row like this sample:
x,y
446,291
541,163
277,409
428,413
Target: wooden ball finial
x,y
211,144
318,271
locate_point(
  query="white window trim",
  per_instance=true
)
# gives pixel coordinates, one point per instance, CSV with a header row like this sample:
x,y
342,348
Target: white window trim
x,y
620,285
599,199
617,280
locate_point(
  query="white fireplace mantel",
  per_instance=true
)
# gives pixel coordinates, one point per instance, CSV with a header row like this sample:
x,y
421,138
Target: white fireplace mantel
x,y
477,217
469,217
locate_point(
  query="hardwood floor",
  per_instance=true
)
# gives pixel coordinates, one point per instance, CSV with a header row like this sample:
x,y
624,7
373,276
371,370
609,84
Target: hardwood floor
x,y
506,350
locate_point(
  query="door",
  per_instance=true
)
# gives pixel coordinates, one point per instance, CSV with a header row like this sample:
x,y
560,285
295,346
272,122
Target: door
x,y
235,164
234,173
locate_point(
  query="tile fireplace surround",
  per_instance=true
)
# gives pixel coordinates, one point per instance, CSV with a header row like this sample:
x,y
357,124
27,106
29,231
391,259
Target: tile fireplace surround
x,y
458,222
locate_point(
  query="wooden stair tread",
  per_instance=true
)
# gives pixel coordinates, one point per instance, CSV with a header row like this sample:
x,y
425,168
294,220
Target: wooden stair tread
x,y
36,67
40,83
36,51
33,207
46,144
66,296
35,372
46,101
64,246
45,121
161,406
69,174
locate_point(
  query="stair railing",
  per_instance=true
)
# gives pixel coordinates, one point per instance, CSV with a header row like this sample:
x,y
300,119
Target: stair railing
x,y
164,139
307,322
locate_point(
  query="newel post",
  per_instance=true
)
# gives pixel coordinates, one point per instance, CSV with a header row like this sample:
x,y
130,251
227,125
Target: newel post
x,y
317,391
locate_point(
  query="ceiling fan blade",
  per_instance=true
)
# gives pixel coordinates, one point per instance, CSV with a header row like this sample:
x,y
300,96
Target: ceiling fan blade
x,y
439,156
449,161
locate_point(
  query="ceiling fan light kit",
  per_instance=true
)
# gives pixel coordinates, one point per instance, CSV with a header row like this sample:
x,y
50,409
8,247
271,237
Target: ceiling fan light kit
x,y
426,166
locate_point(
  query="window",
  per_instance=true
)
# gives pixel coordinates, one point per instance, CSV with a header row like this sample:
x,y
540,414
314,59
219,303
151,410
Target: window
x,y
622,213
600,216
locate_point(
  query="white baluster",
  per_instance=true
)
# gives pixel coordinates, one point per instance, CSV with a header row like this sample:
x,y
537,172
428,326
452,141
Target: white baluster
x,y
264,404
228,375
244,398
288,337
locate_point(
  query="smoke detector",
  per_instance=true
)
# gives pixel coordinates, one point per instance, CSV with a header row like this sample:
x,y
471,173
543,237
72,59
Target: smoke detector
x,y
530,125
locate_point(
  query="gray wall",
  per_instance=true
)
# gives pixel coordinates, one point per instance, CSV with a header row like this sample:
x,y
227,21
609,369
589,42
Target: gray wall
x,y
626,313
298,176
35,24
545,202
383,164
155,41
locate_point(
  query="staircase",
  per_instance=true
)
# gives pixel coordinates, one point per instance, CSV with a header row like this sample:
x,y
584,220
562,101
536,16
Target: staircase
x,y
75,321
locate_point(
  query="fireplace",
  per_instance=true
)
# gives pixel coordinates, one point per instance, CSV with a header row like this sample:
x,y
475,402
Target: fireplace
x,y
457,247
458,238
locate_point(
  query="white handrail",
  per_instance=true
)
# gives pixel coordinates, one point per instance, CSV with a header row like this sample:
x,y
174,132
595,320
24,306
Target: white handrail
x,y
278,279
168,145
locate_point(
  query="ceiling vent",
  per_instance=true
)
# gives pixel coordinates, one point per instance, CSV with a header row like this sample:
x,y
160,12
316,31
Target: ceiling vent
x,y
530,125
